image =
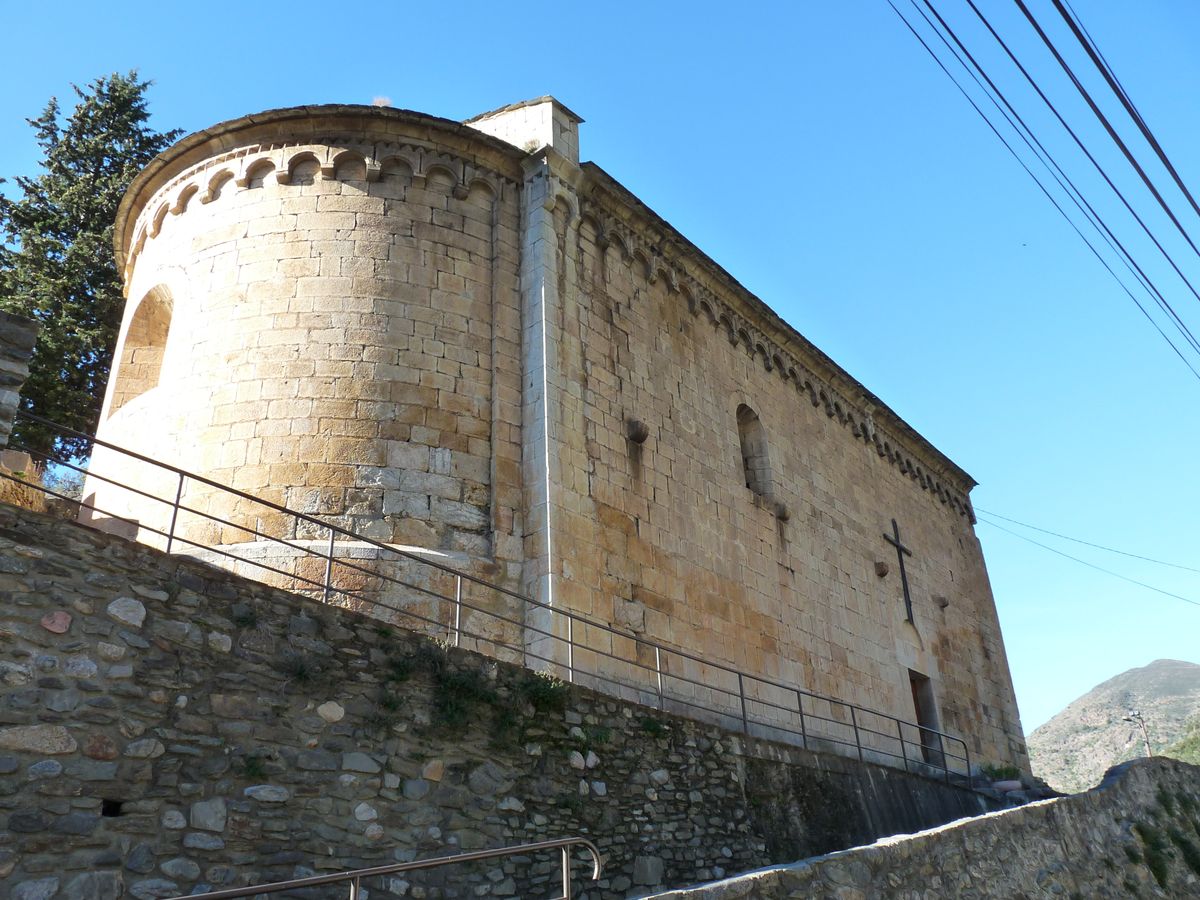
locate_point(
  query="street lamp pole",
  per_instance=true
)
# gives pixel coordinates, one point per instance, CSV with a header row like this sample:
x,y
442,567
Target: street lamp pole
x,y
1135,715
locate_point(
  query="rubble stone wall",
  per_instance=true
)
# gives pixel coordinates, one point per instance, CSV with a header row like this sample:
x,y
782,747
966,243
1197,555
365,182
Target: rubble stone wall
x,y
165,725
1136,835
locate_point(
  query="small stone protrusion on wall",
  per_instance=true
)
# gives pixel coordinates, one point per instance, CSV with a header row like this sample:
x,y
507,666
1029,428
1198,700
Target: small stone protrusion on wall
x,y
631,614
881,568
637,431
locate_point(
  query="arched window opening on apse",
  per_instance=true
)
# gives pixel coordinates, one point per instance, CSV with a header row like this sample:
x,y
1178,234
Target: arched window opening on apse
x,y
142,356
259,173
350,167
755,462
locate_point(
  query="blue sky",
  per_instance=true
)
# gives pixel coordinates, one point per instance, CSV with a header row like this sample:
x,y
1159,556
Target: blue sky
x,y
818,154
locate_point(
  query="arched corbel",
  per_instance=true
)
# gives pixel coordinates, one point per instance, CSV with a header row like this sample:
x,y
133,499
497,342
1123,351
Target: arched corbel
x,y
767,363
156,222
730,332
242,178
689,298
622,242
214,186
184,198
287,165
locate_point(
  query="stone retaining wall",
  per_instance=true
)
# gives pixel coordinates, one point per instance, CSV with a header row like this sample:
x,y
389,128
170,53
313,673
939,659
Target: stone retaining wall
x,y
165,725
1136,835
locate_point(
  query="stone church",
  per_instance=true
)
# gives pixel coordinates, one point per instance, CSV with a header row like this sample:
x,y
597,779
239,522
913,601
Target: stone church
x,y
456,338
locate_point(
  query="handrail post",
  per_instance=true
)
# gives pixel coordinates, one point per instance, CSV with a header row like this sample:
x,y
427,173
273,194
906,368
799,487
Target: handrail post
x,y
570,648
803,728
457,609
658,674
329,566
355,889
566,873
903,749
175,513
742,697
857,739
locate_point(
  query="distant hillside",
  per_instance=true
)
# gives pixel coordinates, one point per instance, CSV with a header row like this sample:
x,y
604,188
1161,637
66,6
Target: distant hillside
x,y
1187,747
1075,748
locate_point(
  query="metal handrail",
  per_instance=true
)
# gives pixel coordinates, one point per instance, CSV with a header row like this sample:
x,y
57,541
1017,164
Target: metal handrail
x,y
355,876
931,745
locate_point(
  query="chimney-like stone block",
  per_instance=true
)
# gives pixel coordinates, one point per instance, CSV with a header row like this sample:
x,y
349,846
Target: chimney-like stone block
x,y
533,124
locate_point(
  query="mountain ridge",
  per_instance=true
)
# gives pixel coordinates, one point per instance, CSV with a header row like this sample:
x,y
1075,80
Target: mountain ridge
x,y
1074,748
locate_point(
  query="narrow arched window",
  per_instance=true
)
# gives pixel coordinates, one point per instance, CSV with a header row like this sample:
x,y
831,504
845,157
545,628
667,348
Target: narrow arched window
x,y
755,462
142,355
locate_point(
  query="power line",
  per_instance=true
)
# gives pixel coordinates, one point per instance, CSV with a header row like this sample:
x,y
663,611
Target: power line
x,y
1143,279
1056,171
1084,562
1097,49
1025,133
1097,58
1100,169
1066,537
1094,219
1112,132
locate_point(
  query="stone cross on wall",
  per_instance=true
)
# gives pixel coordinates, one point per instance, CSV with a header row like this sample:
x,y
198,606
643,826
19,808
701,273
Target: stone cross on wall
x,y
901,551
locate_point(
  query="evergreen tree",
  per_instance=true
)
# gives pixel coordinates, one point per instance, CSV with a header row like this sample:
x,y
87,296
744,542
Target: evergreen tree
x,y
57,264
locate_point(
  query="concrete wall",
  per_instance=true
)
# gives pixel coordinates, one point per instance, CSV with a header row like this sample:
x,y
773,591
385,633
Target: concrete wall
x,y
165,725
1136,835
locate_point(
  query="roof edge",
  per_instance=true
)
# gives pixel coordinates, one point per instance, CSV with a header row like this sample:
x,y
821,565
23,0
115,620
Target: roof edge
x,y
761,307
545,98
141,184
